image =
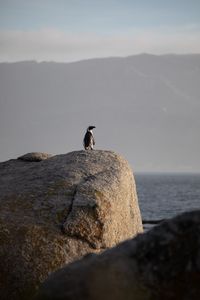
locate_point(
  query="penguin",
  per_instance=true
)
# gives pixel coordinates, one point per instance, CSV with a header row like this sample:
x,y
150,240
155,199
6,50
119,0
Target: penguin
x,y
88,141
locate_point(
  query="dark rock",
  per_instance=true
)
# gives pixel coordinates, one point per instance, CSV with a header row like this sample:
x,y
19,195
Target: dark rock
x,y
152,222
163,263
89,194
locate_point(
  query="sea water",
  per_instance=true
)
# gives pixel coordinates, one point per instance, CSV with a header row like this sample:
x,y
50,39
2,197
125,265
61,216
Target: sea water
x,y
162,196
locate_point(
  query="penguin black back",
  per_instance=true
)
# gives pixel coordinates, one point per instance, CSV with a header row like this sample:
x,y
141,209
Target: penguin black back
x,y
88,141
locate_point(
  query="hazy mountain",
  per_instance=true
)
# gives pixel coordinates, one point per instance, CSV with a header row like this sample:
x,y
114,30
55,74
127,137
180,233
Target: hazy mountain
x,y
145,107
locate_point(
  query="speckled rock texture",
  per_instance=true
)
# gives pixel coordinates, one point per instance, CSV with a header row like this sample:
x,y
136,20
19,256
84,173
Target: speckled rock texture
x,y
162,264
35,156
57,210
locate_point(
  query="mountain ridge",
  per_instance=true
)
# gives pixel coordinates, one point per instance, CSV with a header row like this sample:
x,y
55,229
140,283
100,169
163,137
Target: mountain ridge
x,y
144,106
105,58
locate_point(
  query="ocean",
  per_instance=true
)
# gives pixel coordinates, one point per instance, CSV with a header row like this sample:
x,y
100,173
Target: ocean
x,y
162,196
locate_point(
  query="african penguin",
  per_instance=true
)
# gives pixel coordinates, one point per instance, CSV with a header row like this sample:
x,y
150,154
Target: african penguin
x,y
88,141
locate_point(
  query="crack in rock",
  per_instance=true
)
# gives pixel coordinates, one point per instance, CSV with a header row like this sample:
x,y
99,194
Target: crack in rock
x,y
81,221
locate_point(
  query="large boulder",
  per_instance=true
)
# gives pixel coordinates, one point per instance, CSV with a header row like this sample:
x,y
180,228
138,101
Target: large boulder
x,y
56,210
163,263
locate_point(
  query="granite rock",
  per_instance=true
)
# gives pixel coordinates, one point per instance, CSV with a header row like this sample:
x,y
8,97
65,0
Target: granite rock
x,y
163,263
35,156
59,209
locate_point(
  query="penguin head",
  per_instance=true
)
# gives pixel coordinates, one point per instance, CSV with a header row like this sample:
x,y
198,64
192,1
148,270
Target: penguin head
x,y
91,127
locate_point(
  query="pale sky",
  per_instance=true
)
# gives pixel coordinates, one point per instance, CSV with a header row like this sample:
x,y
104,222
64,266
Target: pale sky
x,y
70,30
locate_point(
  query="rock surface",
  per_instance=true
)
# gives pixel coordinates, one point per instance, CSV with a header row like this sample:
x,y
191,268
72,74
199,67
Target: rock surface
x,y
163,263
59,209
35,156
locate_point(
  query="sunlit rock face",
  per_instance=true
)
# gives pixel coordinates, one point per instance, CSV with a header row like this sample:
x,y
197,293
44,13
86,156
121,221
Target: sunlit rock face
x,y
57,209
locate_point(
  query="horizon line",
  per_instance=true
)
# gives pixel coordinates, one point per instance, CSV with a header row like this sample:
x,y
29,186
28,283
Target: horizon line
x,y
99,58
